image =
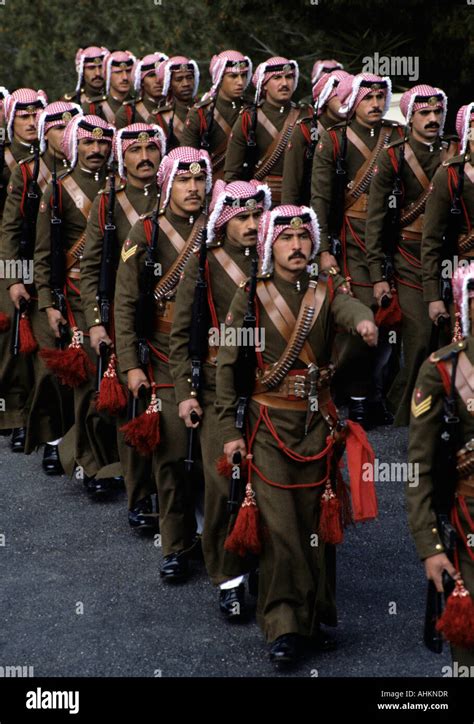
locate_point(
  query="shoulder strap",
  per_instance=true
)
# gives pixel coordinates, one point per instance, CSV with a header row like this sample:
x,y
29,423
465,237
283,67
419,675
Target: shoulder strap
x,y
77,194
277,146
228,264
131,215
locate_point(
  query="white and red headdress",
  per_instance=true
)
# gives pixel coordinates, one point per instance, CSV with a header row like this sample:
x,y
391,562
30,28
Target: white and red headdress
x,y
229,61
116,61
183,159
174,64
137,133
354,89
273,223
463,279
87,57
464,118
269,68
85,127
229,200
55,114
321,67
326,87
23,102
148,64
424,97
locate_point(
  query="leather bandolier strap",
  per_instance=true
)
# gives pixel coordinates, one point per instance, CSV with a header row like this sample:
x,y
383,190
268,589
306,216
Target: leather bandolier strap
x,y
83,203
356,198
464,383
278,144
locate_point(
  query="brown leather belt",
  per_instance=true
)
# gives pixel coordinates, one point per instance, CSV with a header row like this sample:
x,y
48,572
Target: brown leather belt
x,y
292,392
274,183
465,470
358,210
164,316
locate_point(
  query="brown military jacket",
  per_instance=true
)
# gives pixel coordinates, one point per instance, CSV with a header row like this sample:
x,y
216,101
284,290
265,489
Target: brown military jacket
x,y
173,112
436,221
74,211
86,97
137,110
14,153
104,106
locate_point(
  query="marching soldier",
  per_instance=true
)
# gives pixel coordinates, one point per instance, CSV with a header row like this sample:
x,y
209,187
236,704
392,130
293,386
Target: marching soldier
x,y
180,79
343,169
406,167
3,97
299,153
90,76
48,413
138,150
118,67
449,218
152,259
87,143
441,505
149,93
261,133
292,430
231,239
209,122
21,111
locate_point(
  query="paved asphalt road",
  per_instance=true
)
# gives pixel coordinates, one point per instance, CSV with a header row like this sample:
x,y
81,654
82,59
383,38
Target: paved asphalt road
x,y
62,549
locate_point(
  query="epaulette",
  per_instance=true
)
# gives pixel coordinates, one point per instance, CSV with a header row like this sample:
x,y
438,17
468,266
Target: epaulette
x,y
165,107
26,160
66,173
460,158
389,122
448,351
120,188
264,277
215,244
69,96
131,101
96,99
397,142
337,126
305,119
201,104
303,104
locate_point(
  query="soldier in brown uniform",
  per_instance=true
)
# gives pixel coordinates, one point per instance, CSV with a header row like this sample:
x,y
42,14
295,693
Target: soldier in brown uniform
x,y
144,310
118,68
87,143
149,93
343,168
299,153
4,93
440,500
291,427
180,78
90,76
231,237
138,150
261,132
49,415
209,122
404,170
21,111
448,237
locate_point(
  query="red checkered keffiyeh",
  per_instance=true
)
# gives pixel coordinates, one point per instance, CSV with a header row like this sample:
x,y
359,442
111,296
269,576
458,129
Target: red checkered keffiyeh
x,y
117,61
229,61
182,160
177,63
86,58
23,102
84,127
464,118
352,91
55,114
273,223
422,97
461,277
225,202
269,68
137,132
148,64
321,67
325,88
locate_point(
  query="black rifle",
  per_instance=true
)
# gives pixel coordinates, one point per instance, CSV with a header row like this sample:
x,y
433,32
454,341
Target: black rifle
x,y
205,141
101,364
251,146
28,226
106,276
444,481
58,259
450,239
308,159
15,338
198,338
144,312
391,228
336,211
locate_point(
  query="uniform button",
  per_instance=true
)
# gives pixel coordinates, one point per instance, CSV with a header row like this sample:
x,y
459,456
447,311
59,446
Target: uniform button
x,y
189,380
97,320
439,547
434,530
193,393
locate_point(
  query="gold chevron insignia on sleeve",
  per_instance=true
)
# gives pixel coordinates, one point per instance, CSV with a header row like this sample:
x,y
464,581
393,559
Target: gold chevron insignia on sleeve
x,y
128,250
419,405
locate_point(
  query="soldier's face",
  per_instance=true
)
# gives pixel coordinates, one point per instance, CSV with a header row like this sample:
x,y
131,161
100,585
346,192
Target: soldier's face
x,y
426,123
332,108
54,137
370,109
471,137
232,85
188,193
142,160
182,84
93,76
152,87
242,229
280,88
24,128
291,250
120,80
92,154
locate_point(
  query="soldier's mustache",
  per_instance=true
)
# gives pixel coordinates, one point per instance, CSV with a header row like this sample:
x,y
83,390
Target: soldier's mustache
x,y
296,255
433,124
95,156
145,164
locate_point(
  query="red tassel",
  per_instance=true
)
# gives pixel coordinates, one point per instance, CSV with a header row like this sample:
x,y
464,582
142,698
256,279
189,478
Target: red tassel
x,y
391,316
28,343
245,537
111,397
143,432
330,524
225,469
457,620
4,322
71,365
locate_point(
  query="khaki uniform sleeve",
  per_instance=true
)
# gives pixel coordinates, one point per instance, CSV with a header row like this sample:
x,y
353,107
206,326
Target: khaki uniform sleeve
x,y
90,266
381,187
348,311
434,226
424,434
191,136
226,397
12,222
235,156
293,167
180,361
121,119
322,186
42,259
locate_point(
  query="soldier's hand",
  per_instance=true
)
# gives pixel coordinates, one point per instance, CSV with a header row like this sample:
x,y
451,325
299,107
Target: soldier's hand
x,y
55,318
230,448
368,331
381,289
185,408
436,309
434,567
98,334
327,260
136,378
17,292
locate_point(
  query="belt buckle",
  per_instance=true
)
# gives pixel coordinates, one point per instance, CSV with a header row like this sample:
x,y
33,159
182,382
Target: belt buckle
x,y
299,386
